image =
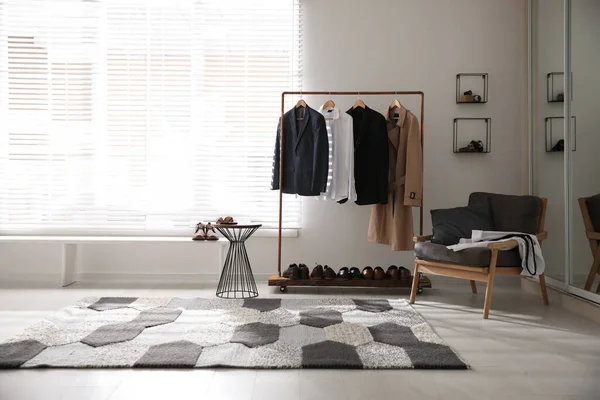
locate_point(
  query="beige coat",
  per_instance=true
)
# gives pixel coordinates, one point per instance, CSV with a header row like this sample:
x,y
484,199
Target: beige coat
x,y
392,223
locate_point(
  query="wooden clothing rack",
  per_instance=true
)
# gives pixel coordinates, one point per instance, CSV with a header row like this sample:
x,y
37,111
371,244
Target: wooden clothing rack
x,y
278,280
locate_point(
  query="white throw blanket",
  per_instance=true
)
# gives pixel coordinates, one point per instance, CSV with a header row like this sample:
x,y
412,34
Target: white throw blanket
x,y
532,263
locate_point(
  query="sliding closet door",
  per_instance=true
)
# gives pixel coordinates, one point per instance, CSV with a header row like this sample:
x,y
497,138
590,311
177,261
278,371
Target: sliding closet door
x,y
548,175
585,161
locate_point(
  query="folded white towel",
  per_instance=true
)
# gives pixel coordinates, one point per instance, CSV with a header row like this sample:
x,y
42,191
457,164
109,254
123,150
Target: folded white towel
x,y
532,259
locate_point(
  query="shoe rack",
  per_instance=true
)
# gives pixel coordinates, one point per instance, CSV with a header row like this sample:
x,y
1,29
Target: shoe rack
x,y
283,283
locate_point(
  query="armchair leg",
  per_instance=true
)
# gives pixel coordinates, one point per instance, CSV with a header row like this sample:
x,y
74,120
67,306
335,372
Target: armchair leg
x,y
415,284
473,287
544,289
593,271
490,284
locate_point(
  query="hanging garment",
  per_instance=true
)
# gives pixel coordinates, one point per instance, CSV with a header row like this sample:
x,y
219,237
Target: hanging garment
x,y
305,153
392,223
371,158
340,184
532,260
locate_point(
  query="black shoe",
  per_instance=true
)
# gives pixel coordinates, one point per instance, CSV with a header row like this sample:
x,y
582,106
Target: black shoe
x,y
392,273
304,272
292,272
344,273
559,146
475,146
355,273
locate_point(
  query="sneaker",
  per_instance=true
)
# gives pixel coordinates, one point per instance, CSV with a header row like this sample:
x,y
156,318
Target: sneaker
x,y
304,273
292,272
317,272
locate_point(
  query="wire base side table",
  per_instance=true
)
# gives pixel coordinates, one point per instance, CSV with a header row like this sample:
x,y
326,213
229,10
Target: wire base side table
x,y
237,280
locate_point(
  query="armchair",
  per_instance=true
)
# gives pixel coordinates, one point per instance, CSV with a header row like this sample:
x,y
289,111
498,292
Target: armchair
x,y
509,213
590,211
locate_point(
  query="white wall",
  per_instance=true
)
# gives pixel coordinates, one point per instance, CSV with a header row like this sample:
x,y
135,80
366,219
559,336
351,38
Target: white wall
x,y
377,45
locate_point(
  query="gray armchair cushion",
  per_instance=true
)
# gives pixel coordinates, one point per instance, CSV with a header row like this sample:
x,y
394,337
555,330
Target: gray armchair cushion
x,y
593,206
511,213
476,257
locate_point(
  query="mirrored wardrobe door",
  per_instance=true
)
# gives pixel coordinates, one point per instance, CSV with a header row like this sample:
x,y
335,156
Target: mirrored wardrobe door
x,y
585,132
548,136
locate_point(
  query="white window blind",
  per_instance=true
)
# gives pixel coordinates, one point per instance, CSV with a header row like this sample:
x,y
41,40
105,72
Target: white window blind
x,y
142,117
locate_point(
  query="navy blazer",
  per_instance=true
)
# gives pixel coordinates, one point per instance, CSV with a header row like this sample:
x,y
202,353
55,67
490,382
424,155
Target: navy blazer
x,y
305,153
371,156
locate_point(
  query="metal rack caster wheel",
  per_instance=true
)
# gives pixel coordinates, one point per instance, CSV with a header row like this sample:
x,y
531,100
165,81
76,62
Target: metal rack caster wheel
x,y
283,289
420,291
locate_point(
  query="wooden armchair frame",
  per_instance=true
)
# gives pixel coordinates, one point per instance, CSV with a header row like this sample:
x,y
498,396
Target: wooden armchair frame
x,y
593,238
481,274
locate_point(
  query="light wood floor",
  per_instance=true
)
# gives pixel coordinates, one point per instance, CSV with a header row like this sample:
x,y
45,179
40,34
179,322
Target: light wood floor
x,y
524,351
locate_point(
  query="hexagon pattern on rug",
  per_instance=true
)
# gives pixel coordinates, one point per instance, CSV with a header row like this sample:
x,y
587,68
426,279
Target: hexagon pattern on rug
x,y
15,354
393,334
279,317
330,354
115,333
320,318
104,332
172,354
112,303
374,305
262,304
301,335
352,334
255,334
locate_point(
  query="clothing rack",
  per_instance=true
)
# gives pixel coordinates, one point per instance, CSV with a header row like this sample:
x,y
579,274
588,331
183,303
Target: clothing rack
x,y
277,280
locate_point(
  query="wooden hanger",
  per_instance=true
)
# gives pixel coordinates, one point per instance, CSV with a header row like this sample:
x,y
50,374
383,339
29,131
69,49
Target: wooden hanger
x,y
301,103
328,103
395,105
358,103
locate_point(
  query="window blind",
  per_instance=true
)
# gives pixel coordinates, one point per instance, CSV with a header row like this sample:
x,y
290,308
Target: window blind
x,y
142,117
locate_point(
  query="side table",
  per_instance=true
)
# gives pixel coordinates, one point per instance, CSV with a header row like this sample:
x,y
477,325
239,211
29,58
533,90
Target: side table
x,y
236,279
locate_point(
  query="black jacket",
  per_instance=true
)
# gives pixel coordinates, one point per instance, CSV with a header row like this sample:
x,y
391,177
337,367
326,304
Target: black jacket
x,y
371,156
305,154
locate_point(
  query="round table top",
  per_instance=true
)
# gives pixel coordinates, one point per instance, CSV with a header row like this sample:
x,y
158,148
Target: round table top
x,y
241,226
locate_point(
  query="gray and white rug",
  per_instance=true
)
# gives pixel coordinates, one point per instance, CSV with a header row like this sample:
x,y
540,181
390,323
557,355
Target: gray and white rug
x,y
254,333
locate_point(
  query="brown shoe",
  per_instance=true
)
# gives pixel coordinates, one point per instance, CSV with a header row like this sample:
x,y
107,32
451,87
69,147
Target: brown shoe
x,y
292,272
404,273
367,273
378,274
317,272
304,272
392,273
329,273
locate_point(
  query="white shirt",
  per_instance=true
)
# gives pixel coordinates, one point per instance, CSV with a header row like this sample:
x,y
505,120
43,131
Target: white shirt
x,y
340,181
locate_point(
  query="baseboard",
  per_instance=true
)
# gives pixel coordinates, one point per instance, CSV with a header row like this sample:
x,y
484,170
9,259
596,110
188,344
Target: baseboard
x,y
192,278
576,305
499,280
30,279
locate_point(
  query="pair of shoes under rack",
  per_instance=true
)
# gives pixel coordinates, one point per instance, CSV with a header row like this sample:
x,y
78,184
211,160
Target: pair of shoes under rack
x,y
295,271
205,232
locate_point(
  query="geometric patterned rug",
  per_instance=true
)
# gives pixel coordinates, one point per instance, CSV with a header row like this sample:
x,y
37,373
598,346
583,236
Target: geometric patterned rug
x,y
131,332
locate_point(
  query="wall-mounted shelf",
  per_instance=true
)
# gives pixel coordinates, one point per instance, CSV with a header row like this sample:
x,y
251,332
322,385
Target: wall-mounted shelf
x,y
477,83
555,87
476,136
554,139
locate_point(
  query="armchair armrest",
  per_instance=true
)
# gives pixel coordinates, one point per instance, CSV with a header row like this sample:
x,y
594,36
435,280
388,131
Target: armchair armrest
x,y
593,235
503,245
513,243
542,236
424,238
